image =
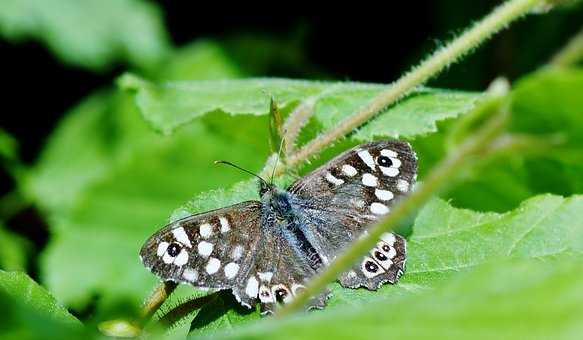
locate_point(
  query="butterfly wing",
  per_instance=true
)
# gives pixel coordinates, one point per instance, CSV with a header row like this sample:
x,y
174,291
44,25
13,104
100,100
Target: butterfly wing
x,y
282,268
338,201
215,249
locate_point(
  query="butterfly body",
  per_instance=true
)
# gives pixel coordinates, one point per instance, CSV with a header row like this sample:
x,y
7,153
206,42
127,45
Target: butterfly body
x,y
266,250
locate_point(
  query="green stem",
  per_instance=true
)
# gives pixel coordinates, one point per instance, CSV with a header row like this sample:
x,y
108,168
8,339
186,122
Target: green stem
x,y
500,18
571,54
440,175
156,299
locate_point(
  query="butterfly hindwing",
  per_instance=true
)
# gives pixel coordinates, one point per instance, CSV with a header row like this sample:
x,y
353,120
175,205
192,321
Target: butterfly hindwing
x,y
339,200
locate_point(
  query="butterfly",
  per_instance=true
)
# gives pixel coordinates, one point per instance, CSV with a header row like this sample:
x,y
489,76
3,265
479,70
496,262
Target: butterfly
x,y
265,251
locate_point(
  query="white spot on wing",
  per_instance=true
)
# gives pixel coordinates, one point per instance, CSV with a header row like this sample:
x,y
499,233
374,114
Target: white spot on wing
x,y
389,153
367,158
402,185
378,208
369,180
167,258
231,270
389,238
396,163
383,195
237,252
336,181
252,287
206,230
349,170
205,248
182,258
190,274
224,224
391,172
213,265
266,276
162,248
181,236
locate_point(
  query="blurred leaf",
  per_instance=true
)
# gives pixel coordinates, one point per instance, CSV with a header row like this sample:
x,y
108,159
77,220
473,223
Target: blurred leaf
x,y
509,299
550,102
89,33
169,105
203,59
544,103
8,146
19,287
85,145
13,250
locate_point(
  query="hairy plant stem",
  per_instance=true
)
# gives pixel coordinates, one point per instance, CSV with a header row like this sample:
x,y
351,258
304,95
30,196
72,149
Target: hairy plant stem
x,y
295,121
571,53
500,17
156,299
441,174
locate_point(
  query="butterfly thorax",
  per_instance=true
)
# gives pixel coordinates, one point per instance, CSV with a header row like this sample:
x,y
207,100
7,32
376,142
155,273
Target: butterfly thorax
x,y
278,213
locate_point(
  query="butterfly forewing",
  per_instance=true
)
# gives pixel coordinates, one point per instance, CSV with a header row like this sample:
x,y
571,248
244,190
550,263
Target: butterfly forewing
x,y
338,201
209,250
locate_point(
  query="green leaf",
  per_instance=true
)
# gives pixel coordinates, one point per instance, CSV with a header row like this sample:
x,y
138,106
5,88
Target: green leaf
x,y
13,250
542,104
22,290
416,115
510,299
8,146
548,102
91,33
203,59
169,105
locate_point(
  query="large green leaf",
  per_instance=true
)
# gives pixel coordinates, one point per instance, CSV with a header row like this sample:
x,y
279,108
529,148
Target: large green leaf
x,y
447,240
509,299
89,33
29,311
168,105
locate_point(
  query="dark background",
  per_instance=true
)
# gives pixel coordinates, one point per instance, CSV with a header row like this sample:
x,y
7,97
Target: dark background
x,y
366,43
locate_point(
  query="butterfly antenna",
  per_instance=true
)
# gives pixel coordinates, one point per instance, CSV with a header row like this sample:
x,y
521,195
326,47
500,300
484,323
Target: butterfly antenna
x,y
240,168
277,159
